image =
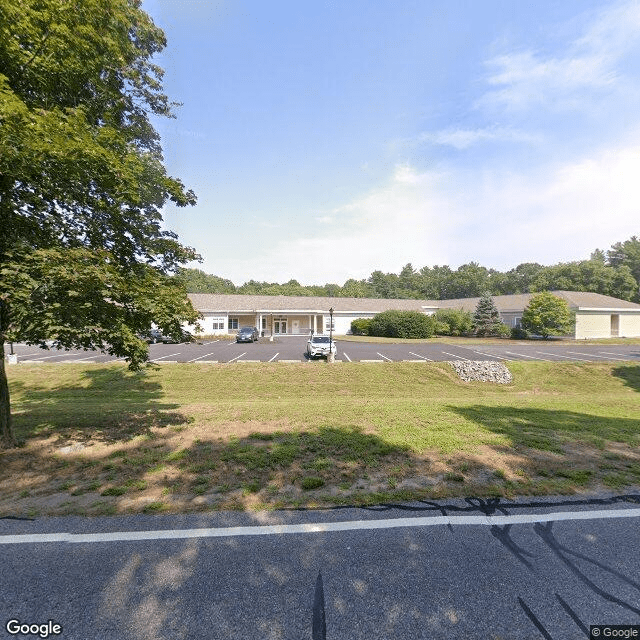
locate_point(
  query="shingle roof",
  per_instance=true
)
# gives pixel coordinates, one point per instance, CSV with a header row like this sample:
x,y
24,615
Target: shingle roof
x,y
517,302
311,304
211,302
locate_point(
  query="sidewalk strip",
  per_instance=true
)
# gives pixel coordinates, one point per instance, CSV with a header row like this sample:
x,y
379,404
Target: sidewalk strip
x,y
318,527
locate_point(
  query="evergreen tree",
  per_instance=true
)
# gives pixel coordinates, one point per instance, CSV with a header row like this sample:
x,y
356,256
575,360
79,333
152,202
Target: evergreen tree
x,y
486,319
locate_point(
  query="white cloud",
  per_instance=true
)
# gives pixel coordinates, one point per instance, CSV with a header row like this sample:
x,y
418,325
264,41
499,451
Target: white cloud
x,y
499,219
527,79
464,138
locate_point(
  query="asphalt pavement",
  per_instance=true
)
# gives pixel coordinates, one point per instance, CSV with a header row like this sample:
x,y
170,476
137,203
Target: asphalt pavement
x,y
440,570
293,349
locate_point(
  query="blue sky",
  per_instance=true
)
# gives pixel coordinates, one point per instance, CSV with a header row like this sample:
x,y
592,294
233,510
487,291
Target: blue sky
x,y
328,139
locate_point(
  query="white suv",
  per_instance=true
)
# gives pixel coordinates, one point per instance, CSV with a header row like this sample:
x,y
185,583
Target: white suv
x,y
320,346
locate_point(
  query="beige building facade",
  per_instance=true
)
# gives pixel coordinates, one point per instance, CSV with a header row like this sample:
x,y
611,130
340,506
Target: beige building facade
x,y
596,315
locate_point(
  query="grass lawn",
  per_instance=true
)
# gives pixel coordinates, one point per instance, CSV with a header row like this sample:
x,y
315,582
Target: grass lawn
x,y
101,440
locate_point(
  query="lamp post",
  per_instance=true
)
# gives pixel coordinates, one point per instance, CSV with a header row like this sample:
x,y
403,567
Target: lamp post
x,y
330,356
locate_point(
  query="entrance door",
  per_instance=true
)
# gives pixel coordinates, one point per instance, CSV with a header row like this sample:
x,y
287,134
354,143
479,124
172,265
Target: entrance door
x,y
279,326
615,325
295,326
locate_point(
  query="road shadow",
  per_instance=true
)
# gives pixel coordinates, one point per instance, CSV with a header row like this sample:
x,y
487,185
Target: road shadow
x,y
629,374
107,404
550,429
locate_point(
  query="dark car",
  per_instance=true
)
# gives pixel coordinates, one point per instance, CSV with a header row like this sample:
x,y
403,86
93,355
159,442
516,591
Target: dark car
x,y
247,334
156,335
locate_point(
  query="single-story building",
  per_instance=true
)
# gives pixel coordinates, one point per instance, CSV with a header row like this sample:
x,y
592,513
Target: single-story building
x,y
597,316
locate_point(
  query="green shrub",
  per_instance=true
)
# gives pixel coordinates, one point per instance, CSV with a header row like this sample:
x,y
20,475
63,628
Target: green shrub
x,y
502,331
453,322
361,326
518,333
402,324
311,482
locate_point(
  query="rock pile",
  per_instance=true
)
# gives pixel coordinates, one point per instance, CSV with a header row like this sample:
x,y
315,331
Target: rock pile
x,y
482,371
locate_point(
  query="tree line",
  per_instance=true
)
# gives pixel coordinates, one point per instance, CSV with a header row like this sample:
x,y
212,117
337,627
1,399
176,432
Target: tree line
x,y
615,272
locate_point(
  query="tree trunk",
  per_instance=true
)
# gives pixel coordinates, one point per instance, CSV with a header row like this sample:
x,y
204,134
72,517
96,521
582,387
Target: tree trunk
x,y
7,438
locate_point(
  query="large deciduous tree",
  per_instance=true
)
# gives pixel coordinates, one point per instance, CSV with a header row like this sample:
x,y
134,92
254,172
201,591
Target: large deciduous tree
x,y
84,259
547,315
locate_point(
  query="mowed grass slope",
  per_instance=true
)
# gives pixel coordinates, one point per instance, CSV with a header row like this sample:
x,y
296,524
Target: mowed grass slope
x,y
100,439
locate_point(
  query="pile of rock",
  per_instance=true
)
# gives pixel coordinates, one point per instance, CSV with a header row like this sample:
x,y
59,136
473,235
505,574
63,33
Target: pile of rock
x,y
482,371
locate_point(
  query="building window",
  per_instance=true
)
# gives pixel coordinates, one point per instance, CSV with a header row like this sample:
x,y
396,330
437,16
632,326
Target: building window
x,y
264,323
233,323
217,323
518,322
328,326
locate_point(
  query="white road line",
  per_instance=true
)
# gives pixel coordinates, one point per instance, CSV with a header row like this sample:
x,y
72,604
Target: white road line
x,y
274,357
453,355
419,356
556,355
522,355
318,527
233,342
385,357
167,356
487,355
91,358
612,354
346,356
240,356
204,356
593,355
57,355
212,342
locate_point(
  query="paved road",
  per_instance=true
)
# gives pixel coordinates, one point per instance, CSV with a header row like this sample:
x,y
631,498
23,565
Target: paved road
x,y
454,570
225,350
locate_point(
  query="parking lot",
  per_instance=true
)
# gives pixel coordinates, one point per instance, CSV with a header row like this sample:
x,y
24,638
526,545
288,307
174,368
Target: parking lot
x,y
293,349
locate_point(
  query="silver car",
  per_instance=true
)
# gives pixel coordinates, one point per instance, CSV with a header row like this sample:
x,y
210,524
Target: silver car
x,y
320,346
247,334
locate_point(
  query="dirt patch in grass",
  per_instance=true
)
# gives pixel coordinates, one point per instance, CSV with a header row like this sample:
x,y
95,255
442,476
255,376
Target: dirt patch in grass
x,y
274,468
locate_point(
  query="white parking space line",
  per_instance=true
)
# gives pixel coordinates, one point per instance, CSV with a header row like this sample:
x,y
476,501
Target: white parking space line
x,y
230,343
523,355
167,356
453,355
274,357
240,356
593,355
611,354
317,527
206,355
57,355
419,356
204,344
556,355
487,355
385,357
346,356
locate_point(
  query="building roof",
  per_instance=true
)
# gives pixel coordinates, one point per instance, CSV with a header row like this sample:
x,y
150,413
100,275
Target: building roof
x,y
212,302
221,303
576,300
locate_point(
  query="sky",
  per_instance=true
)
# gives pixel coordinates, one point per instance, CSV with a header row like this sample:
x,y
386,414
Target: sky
x,y
328,139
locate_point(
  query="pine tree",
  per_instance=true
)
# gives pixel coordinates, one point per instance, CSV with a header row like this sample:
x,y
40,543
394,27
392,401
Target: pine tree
x,y
486,319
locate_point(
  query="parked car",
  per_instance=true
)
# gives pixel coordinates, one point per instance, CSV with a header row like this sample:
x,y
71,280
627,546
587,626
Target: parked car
x,y
247,334
156,335
320,346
